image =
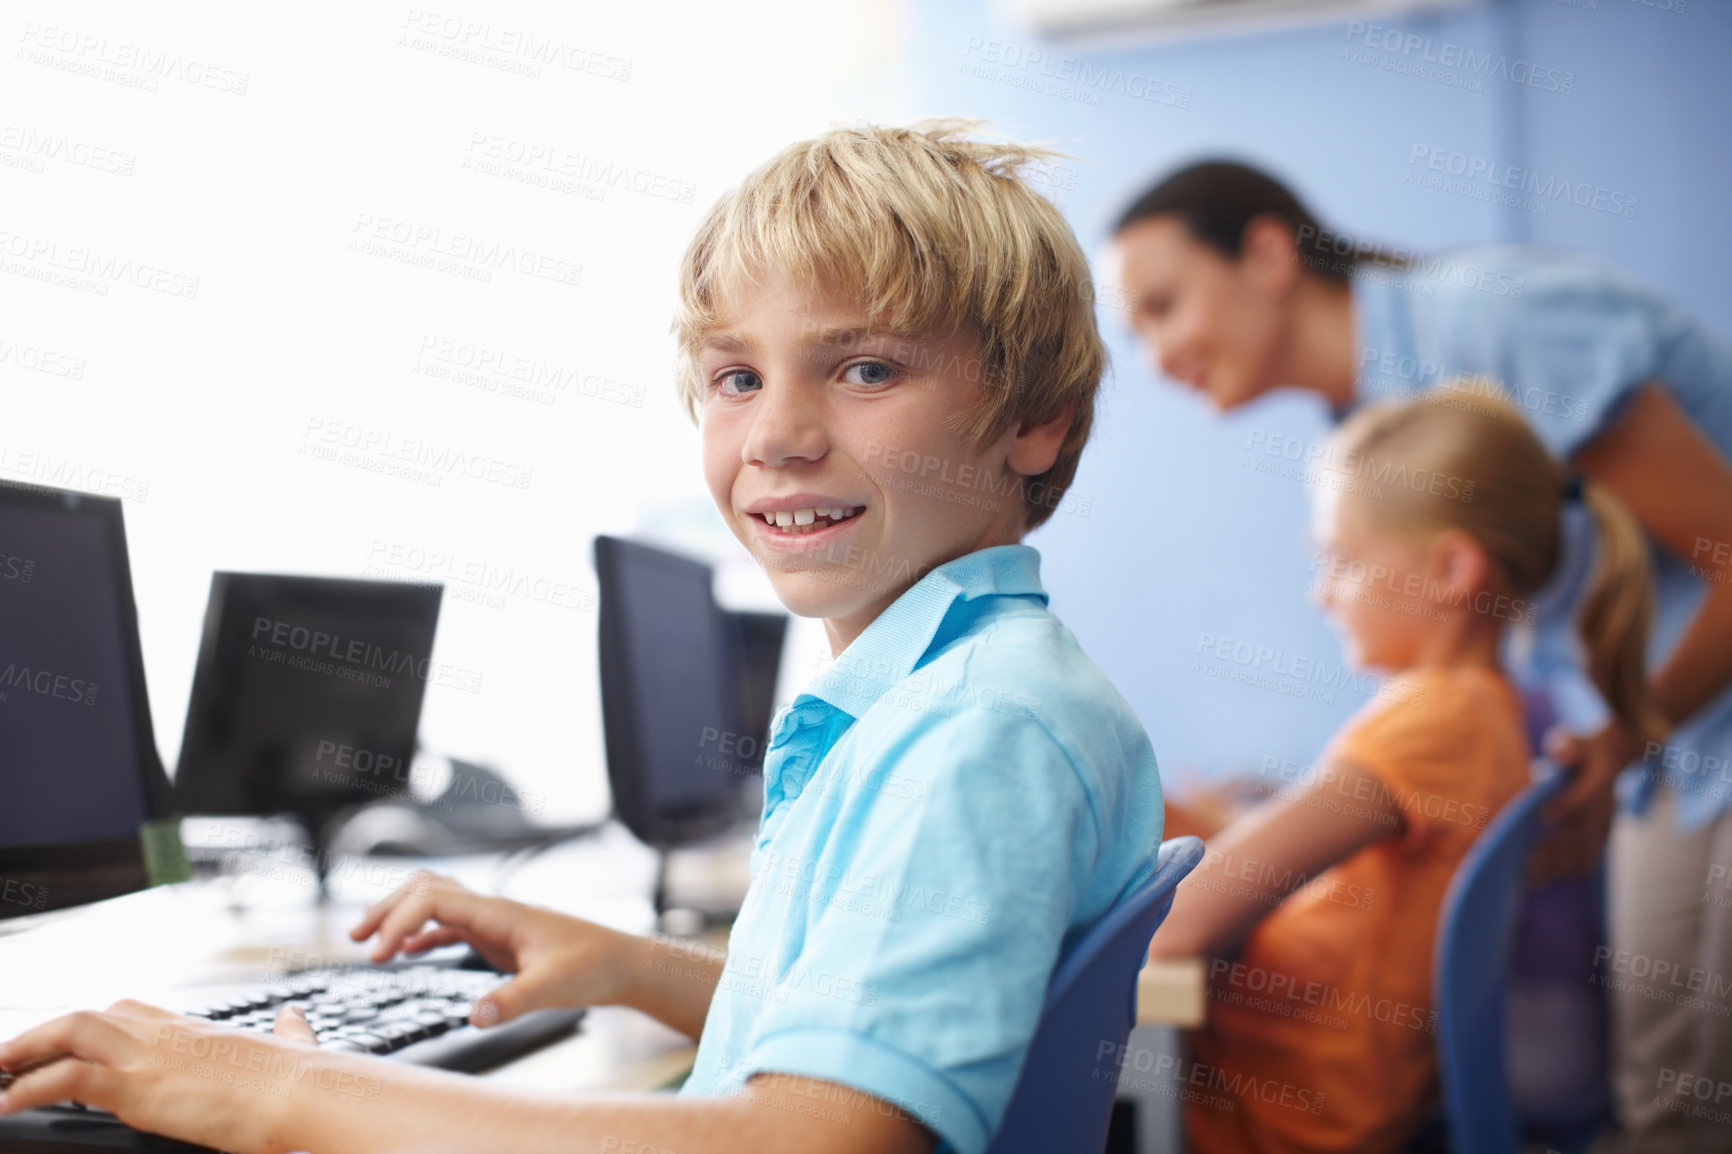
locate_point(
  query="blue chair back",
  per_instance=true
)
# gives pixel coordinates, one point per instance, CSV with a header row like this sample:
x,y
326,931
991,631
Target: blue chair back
x,y
1475,941
1064,1097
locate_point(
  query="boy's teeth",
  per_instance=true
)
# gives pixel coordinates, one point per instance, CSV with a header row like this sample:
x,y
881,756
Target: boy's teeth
x,y
805,520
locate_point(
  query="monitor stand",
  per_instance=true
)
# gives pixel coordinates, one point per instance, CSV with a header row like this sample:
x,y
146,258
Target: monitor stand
x,y
315,831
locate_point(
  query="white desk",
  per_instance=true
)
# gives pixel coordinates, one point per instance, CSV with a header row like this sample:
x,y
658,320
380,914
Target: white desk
x,y
161,945
1172,992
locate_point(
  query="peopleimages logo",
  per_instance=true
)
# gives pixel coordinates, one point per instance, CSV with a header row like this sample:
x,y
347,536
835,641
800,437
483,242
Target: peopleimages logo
x,y
1067,77
314,649
1407,266
1528,181
47,683
1427,57
23,893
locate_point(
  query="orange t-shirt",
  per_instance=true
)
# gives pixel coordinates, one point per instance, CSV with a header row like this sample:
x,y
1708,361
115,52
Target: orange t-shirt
x,y
1321,1034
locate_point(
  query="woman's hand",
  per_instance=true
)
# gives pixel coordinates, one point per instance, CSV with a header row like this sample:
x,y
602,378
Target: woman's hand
x,y
1583,812
560,962
184,1077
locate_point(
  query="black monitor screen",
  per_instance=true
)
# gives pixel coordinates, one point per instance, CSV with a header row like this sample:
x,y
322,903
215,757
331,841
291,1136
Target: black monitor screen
x,y
78,764
679,743
307,694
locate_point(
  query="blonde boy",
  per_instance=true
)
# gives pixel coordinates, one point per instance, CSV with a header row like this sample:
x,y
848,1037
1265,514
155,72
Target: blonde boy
x,y
890,346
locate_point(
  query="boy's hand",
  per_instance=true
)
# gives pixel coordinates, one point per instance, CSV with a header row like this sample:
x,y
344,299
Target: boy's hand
x,y
560,961
190,1079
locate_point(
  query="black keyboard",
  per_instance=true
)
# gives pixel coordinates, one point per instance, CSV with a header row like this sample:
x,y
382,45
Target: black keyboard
x,y
417,1013
413,1013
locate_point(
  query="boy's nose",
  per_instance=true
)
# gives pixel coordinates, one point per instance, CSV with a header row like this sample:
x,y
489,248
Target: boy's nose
x,y
785,428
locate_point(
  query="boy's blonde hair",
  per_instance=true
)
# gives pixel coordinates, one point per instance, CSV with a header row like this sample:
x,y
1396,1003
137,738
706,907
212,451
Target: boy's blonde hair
x,y
934,233
1488,474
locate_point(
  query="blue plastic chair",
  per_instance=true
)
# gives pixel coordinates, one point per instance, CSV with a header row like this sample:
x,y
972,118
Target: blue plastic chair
x,y
1064,1097
1475,942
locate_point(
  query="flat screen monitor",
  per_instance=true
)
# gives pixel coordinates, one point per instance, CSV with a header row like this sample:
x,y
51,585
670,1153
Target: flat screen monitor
x,y
80,776
677,704
760,637
307,695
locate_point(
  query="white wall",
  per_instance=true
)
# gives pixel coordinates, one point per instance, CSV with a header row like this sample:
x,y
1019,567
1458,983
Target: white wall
x,y
255,152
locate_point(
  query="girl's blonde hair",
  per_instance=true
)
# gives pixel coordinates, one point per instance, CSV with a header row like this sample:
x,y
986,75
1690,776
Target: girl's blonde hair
x,y
1488,474
932,232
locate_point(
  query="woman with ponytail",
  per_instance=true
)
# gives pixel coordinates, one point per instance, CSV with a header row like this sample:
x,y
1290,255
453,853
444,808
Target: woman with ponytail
x,y
1238,290
1439,519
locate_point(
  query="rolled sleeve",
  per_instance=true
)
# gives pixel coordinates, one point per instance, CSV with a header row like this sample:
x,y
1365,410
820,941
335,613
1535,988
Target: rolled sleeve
x,y
849,1058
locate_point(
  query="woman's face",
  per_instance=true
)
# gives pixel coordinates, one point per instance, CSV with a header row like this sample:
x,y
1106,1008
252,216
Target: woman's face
x,y
1210,323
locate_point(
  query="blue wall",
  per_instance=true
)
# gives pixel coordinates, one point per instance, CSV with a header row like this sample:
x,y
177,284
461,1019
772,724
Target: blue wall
x,y
1183,546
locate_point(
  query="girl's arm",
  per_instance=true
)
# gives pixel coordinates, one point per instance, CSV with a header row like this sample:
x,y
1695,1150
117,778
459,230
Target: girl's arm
x,y
1259,859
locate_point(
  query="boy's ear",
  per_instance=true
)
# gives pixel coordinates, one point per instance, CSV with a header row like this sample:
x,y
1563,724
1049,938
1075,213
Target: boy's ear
x,y
1035,447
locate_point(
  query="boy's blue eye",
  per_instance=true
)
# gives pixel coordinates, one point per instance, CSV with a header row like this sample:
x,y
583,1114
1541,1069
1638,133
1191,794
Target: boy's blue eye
x,y
868,373
743,380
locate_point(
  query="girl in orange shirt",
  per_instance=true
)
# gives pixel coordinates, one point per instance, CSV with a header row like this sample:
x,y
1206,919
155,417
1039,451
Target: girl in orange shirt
x,y
1436,519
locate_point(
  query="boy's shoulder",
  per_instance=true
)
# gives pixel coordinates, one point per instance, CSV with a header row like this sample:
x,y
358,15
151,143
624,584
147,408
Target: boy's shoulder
x,y
1019,670
1029,654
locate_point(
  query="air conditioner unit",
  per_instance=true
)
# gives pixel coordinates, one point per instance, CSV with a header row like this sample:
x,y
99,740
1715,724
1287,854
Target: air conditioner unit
x,y
1107,23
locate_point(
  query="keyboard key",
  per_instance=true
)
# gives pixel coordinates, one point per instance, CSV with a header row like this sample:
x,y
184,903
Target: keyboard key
x,y
345,1046
371,1043
401,1033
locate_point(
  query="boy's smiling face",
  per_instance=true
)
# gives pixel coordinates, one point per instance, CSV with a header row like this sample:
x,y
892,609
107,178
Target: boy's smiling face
x,y
845,433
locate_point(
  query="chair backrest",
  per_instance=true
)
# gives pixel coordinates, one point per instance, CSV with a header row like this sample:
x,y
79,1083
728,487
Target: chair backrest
x,y
1476,936
1064,1097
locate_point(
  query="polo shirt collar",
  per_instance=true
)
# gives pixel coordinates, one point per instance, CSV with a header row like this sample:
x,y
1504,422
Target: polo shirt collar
x,y
1381,322
893,645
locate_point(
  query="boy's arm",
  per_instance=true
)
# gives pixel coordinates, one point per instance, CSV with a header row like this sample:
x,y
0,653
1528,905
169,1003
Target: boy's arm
x,y
772,1114
671,981
1262,857
211,1084
556,960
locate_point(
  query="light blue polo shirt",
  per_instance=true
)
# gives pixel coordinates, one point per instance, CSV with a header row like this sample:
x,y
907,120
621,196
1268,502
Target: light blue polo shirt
x,y
948,807
1570,339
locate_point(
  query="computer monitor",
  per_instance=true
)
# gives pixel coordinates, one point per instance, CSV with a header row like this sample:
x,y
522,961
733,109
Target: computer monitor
x,y
760,639
307,696
680,701
81,781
